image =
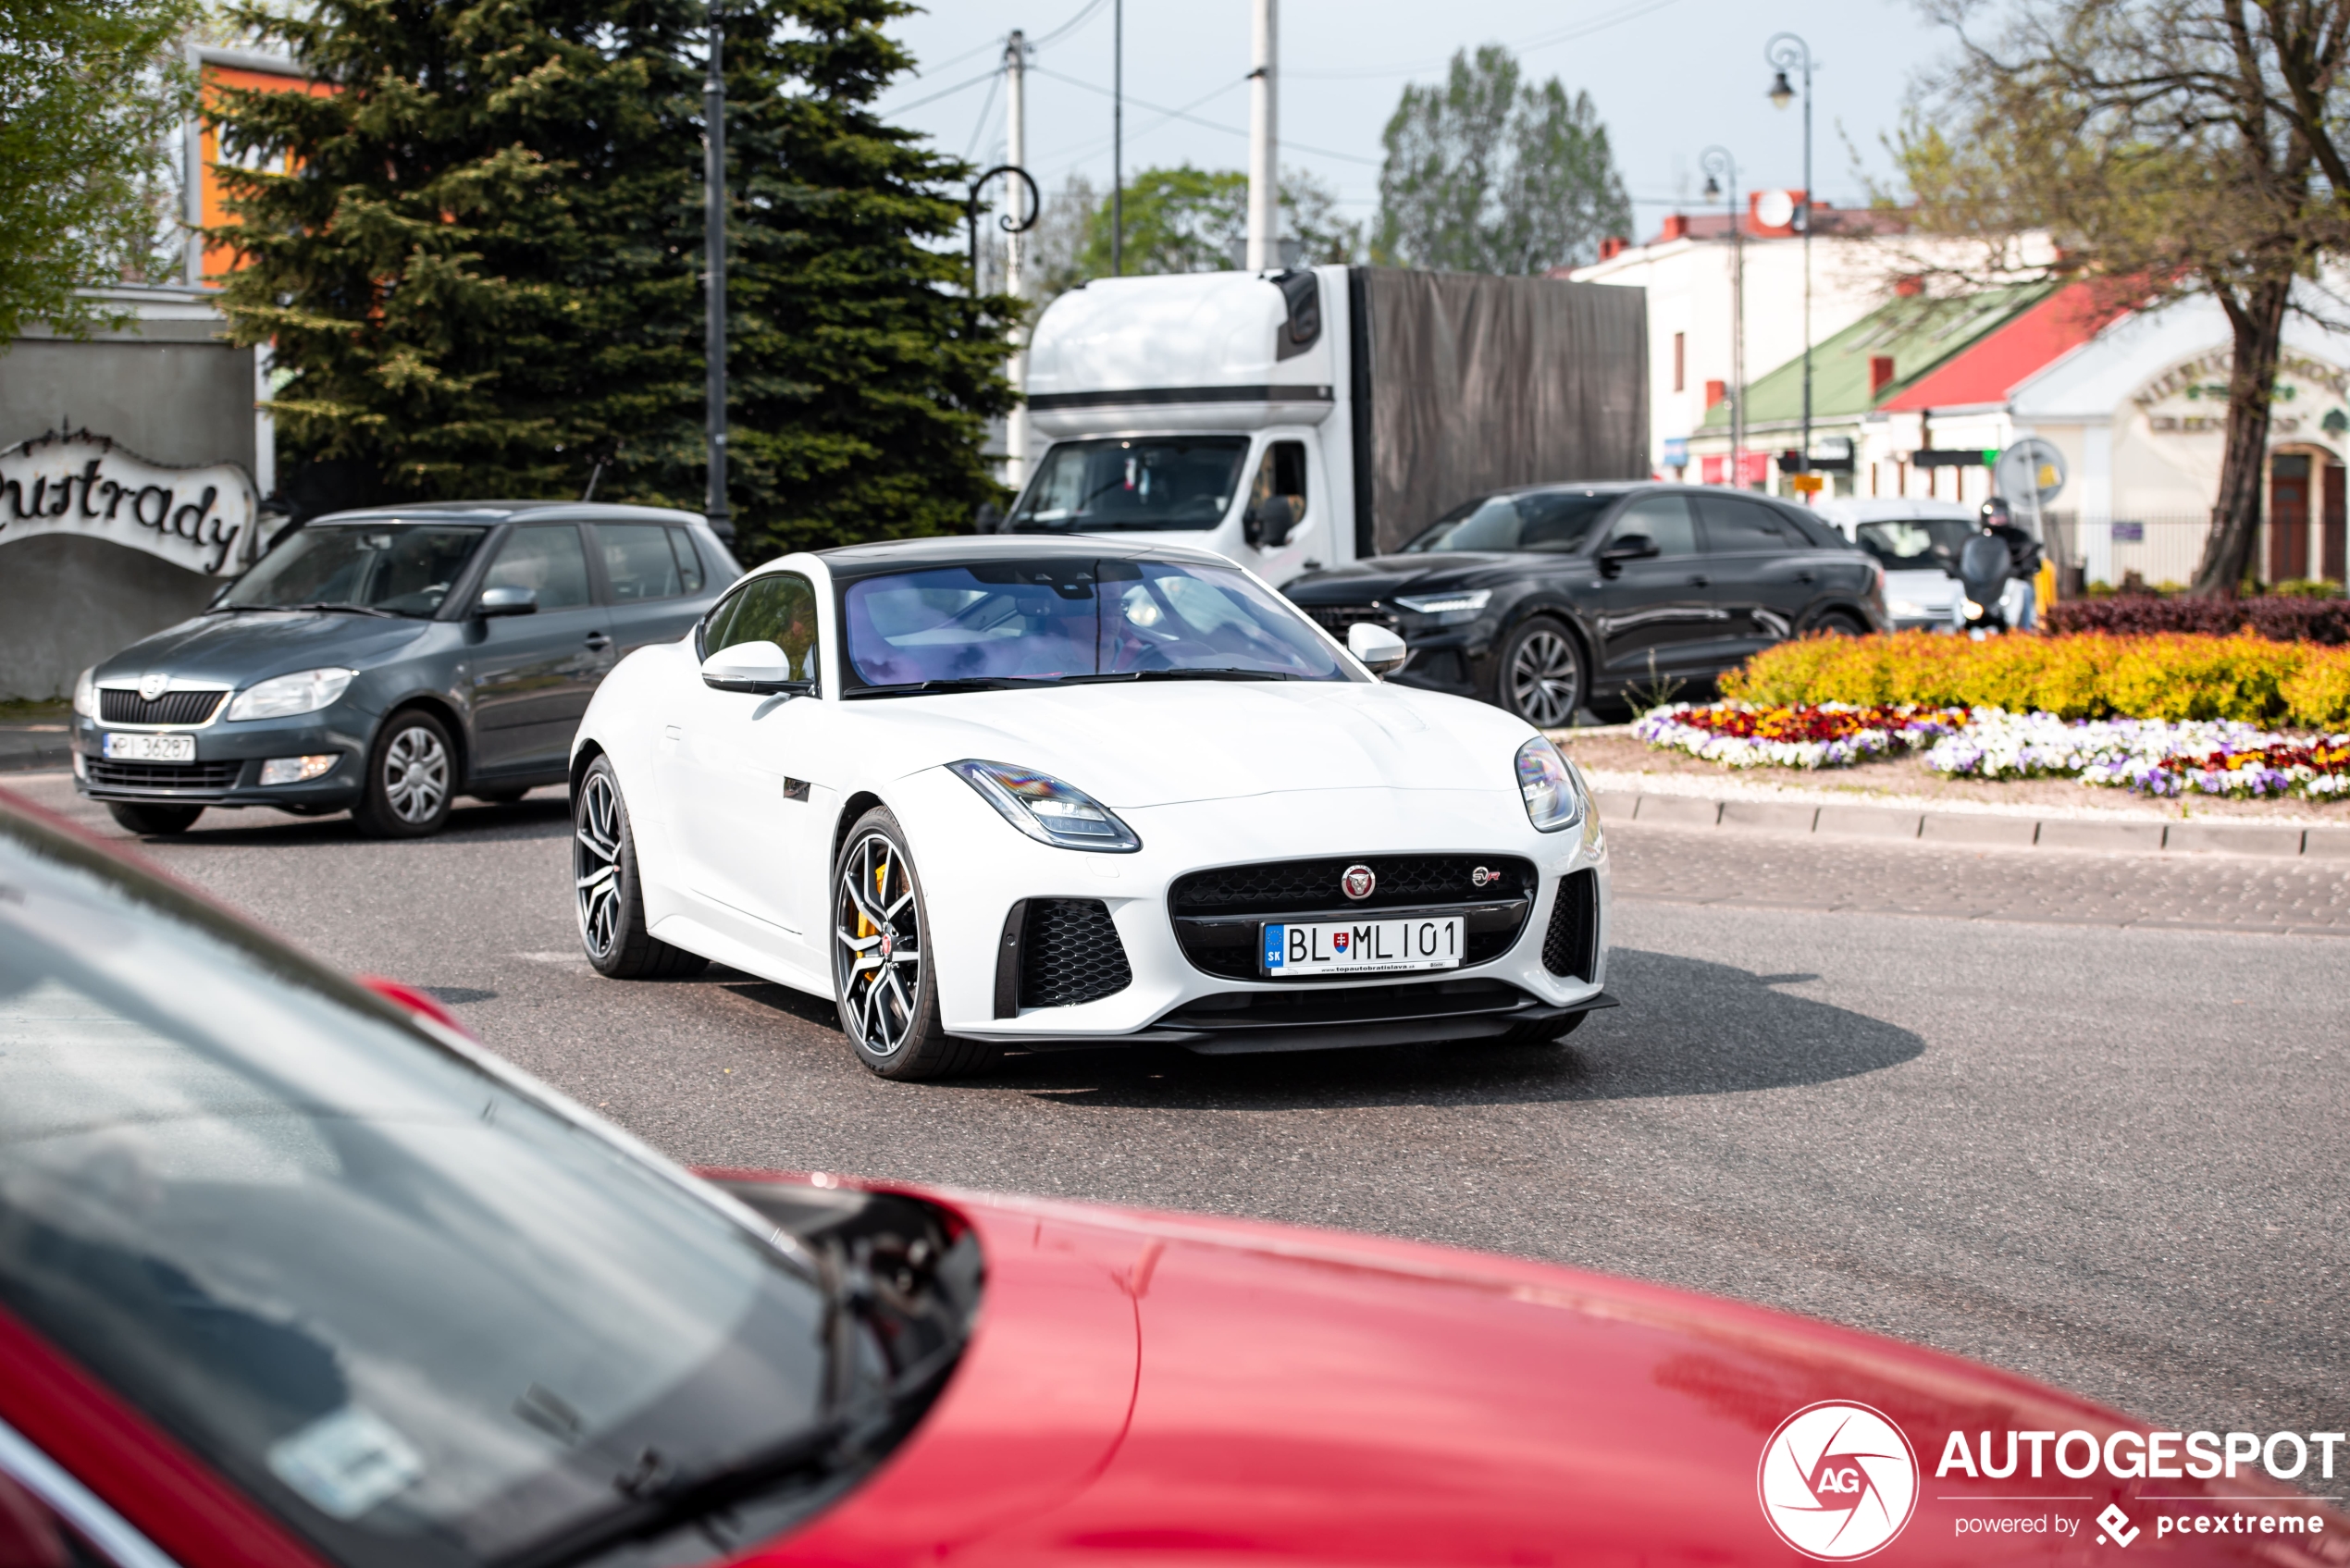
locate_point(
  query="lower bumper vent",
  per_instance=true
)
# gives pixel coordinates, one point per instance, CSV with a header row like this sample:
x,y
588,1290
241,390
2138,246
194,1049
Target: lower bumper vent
x,y
1571,945
1057,953
162,776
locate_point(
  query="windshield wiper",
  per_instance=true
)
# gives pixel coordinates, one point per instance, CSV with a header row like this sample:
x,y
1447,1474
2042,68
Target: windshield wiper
x,y
960,683
335,604
1198,675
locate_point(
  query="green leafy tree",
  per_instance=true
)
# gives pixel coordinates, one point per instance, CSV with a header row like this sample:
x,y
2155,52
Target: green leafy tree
x,y
2168,148
1186,220
484,277
89,94
1489,174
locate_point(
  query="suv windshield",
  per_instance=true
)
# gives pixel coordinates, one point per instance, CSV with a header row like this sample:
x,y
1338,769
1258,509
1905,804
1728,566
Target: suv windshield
x,y
1163,482
1920,544
401,568
415,1311
1014,622
1548,522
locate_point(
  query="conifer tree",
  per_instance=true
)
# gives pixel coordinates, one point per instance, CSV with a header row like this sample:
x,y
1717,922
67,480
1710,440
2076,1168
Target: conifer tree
x,y
483,276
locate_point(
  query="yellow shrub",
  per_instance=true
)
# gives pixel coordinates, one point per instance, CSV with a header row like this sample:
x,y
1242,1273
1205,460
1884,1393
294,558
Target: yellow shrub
x,y
2090,675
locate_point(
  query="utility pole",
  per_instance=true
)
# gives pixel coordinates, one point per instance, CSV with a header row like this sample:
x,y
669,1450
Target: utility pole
x,y
1264,141
1717,163
1786,52
1016,136
713,101
1117,138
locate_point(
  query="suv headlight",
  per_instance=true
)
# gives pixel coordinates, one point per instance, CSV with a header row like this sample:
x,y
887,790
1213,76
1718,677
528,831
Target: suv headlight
x,y
85,693
1049,811
305,691
1448,609
1554,794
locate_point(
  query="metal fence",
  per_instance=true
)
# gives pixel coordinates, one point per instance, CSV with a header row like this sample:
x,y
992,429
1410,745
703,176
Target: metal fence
x,y
2160,551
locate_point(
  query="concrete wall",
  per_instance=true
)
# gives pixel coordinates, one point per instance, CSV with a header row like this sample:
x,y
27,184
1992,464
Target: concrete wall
x,y
171,392
67,602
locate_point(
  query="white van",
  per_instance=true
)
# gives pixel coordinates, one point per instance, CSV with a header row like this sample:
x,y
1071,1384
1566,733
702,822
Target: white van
x,y
1917,542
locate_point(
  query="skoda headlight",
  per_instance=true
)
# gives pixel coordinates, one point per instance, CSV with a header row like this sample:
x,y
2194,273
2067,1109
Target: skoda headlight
x,y
1448,609
305,691
1554,794
85,693
1049,811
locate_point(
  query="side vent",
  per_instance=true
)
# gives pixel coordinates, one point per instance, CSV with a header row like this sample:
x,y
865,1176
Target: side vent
x,y
1571,945
1057,953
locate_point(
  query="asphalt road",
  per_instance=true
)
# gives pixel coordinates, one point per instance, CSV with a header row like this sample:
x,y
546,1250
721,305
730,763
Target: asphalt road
x,y
2005,1107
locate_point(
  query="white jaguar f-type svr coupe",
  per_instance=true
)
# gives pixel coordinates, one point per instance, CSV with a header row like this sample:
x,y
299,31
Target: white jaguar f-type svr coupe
x,y
1002,792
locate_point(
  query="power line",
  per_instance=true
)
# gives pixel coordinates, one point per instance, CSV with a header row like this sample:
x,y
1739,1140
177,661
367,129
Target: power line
x,y
1080,151
986,108
896,109
1085,12
1079,20
1212,125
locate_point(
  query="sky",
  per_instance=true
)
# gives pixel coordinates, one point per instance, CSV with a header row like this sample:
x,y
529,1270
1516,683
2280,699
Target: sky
x,y
1669,78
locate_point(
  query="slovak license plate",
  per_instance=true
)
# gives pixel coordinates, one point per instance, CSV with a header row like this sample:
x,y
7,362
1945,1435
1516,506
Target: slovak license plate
x,y
148,748
1349,947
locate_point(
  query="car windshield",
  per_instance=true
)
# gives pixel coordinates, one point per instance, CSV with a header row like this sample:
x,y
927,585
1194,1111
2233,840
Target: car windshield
x,y
1042,620
1183,482
1548,522
401,568
1920,544
409,1306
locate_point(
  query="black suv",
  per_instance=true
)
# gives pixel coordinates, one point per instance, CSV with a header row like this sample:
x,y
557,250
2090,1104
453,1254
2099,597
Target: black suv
x,y
385,661
1546,598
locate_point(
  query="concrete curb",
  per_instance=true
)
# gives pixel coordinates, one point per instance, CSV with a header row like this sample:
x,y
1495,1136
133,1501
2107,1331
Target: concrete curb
x,y
32,749
1980,829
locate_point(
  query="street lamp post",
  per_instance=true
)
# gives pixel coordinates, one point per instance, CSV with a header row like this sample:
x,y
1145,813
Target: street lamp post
x,y
1722,179
1786,52
713,97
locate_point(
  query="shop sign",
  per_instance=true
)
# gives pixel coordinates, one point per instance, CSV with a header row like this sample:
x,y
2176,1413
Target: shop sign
x,y
2191,399
203,519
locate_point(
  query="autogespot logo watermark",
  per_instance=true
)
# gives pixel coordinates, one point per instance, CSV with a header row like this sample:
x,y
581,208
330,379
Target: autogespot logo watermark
x,y
1837,1481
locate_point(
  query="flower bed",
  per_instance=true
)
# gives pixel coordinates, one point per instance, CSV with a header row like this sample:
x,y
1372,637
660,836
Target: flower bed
x,y
2148,756
2250,679
1831,735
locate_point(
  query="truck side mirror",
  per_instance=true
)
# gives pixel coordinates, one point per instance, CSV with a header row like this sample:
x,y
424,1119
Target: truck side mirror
x,y
1267,524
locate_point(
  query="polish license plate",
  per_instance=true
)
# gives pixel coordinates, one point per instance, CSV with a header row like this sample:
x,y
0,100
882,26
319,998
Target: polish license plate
x,y
148,748
1368,946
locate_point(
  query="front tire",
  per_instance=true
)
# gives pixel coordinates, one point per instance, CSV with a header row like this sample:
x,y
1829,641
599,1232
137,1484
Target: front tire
x,y
881,970
411,778
1539,674
154,820
607,892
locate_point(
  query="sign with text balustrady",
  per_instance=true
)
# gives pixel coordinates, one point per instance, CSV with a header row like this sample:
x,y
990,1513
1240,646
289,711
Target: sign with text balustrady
x,y
203,519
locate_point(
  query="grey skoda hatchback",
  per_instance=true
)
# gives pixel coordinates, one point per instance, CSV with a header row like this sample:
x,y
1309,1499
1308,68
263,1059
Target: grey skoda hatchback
x,y
385,661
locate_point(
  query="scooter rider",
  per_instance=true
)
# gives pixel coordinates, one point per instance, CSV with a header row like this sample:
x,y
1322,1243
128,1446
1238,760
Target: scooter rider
x,y
2024,557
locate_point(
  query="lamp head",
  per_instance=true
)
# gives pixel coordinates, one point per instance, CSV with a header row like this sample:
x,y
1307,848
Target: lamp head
x,y
1713,189
1781,94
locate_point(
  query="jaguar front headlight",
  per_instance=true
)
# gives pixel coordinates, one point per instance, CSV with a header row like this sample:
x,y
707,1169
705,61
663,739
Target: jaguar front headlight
x,y
305,691
1046,809
1554,794
1452,608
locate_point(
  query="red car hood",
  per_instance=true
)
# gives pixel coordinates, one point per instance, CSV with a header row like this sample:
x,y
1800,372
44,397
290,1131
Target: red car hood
x,y
1150,1386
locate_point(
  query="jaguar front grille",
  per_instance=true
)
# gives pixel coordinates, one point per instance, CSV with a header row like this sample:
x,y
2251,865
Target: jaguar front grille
x,y
1217,913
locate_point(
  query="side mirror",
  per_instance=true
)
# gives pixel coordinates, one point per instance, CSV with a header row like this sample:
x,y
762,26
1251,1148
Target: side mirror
x,y
507,601
988,519
761,667
1628,546
1267,524
1381,651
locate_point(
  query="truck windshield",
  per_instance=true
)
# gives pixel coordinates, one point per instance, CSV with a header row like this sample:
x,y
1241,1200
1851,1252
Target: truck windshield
x,y
1546,521
404,568
1015,621
1148,482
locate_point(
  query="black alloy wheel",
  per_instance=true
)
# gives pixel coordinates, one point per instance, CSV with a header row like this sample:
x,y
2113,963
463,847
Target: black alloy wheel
x,y
143,819
1839,624
882,974
1539,674
411,778
609,898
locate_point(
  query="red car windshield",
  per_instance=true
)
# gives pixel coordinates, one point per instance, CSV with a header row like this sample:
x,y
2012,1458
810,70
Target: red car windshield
x,y
1052,620
419,1313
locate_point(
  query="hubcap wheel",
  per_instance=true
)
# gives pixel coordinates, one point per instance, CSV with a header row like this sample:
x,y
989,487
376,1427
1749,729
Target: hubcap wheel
x,y
595,863
877,957
416,775
1543,677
